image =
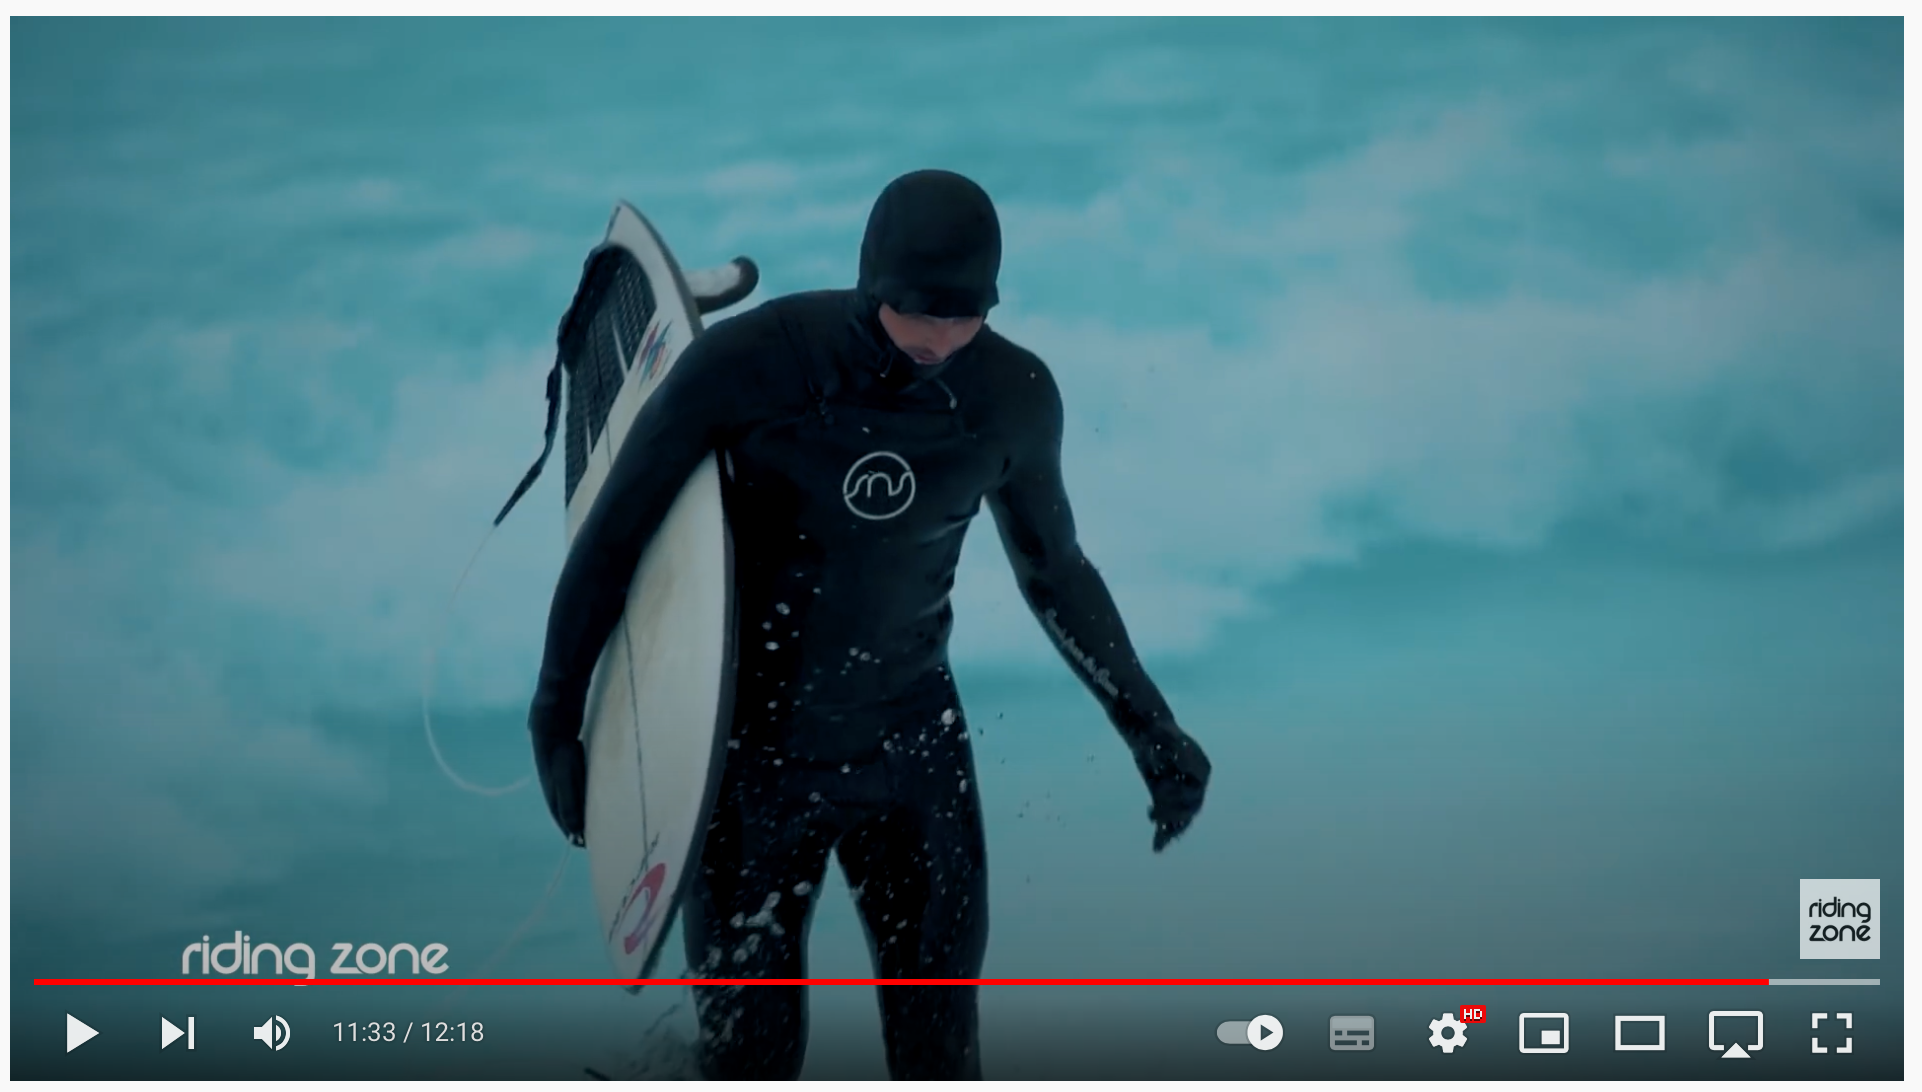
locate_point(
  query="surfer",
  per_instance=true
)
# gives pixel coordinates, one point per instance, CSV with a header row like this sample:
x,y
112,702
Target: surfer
x,y
859,432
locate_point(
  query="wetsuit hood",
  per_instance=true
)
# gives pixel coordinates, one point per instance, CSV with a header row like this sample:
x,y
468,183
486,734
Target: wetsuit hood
x,y
933,247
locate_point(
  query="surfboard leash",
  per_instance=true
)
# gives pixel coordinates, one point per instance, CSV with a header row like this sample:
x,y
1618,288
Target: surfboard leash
x,y
547,443
427,687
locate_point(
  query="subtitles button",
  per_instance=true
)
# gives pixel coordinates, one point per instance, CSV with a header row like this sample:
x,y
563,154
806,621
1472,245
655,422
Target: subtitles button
x,y
1351,1033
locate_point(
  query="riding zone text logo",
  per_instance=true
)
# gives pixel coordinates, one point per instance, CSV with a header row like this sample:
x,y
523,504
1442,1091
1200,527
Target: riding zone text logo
x,y
1841,919
245,956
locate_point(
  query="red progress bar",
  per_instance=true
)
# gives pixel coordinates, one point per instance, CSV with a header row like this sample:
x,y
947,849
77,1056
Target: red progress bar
x,y
914,981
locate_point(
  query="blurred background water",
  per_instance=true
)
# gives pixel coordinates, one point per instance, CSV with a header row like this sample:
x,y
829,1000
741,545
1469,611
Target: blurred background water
x,y
1491,432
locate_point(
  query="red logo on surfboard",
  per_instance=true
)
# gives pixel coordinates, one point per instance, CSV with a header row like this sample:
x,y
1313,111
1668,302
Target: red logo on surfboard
x,y
646,895
653,349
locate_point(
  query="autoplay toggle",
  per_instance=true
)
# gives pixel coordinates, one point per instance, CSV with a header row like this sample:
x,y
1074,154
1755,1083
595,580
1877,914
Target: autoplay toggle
x,y
1263,1032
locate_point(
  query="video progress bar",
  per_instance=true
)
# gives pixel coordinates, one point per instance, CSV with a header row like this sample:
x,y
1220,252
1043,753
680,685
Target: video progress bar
x,y
1825,982
965,981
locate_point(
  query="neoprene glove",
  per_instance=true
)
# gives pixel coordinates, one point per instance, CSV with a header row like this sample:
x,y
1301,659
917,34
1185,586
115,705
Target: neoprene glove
x,y
562,763
1176,772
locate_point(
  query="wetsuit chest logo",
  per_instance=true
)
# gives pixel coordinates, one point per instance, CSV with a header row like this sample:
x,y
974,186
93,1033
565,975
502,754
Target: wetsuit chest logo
x,y
880,485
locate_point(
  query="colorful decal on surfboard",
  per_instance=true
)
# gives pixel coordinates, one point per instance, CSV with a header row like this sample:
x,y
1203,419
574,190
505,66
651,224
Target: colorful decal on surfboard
x,y
653,349
640,908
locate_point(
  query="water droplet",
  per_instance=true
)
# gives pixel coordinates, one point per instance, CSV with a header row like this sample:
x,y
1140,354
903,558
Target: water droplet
x,y
767,625
772,704
803,887
947,716
781,607
845,768
772,645
813,798
866,657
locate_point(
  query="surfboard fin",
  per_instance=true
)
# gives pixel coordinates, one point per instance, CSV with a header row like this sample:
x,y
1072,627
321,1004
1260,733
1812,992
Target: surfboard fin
x,y
724,285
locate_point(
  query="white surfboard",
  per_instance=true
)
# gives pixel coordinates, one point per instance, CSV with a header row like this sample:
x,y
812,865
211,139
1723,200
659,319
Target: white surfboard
x,y
661,698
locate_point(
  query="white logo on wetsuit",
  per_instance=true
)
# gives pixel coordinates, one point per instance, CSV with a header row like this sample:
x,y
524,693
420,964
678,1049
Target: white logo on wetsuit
x,y
880,485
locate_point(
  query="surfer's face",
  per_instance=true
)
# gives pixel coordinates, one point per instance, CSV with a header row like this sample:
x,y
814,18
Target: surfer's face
x,y
926,339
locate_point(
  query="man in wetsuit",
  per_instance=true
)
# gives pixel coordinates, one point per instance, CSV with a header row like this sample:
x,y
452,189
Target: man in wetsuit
x,y
859,431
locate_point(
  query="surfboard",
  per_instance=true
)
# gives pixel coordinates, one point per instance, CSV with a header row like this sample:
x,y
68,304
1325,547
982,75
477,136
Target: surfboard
x,y
659,706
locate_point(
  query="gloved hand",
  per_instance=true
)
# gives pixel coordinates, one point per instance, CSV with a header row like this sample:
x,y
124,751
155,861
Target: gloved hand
x,y
1176,772
562,762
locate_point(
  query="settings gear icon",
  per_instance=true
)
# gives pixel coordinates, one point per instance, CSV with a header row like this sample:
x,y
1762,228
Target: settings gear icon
x,y
1458,1033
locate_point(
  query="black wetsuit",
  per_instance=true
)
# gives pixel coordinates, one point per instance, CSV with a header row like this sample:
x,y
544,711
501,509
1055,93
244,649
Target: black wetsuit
x,y
850,476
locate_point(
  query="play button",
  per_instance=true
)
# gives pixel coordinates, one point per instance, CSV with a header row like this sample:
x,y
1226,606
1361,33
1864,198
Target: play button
x,y
77,1032
1264,1033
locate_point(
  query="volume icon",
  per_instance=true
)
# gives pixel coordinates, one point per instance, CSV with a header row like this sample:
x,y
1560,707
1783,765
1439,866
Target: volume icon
x,y
274,1033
